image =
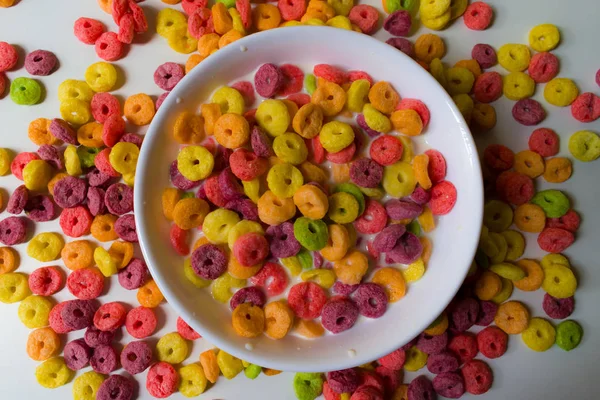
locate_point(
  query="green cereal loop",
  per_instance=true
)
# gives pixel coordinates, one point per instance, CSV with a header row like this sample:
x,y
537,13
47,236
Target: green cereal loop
x,y
188,195
481,259
252,371
25,91
355,191
505,292
308,385
228,3
87,155
305,259
508,271
554,202
312,234
396,5
585,146
414,227
568,335
374,193
310,83
343,208
497,215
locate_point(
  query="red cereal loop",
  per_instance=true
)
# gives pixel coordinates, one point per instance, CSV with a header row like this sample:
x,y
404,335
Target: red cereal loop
x,y
291,9
110,316
543,67
186,331
190,6
118,9
162,380
356,75
488,87
272,278
75,221
443,198
293,77
570,221
394,360
85,283
179,240
246,165
245,10
307,299
45,281
2,84
139,18
492,342
330,73
498,157
102,163
436,168
464,346
544,141
213,191
126,29
343,156
418,106
108,47
514,187
299,98
250,116
8,56
373,219
318,152
365,17
55,319
246,89
113,130
478,377
386,150
200,23
372,252
88,30
478,16
555,240
104,105
20,161
140,322
586,107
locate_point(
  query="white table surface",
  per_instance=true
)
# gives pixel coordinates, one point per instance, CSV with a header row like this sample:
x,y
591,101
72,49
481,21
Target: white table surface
x,y
520,374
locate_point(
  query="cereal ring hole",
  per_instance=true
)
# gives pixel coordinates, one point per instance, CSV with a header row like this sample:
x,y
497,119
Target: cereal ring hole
x,y
53,375
137,324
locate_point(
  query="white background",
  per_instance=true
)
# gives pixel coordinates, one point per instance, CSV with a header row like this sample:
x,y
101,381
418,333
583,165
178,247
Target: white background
x,y
521,373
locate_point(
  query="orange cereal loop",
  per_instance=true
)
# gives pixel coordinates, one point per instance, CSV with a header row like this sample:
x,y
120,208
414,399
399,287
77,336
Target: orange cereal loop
x,y
279,319
208,43
208,360
55,179
401,392
270,372
121,252
171,2
429,46
340,172
292,109
351,268
103,228
321,7
392,280
265,17
534,278
200,242
105,5
42,344
420,163
192,61
427,249
139,109
222,21
309,328
78,254
529,163
232,131
273,211
189,213
229,38
512,317
149,295
313,14
383,97
240,271
329,96
211,113
313,173
170,197
189,128
471,65
483,116
488,285
9,260
248,320
39,134
530,218
558,170
438,328
90,135
407,121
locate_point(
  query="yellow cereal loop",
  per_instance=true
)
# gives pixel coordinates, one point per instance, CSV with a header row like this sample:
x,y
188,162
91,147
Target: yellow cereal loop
x,y
222,286
539,335
552,259
218,223
72,89
229,365
14,287
322,277
5,160
501,247
241,228
426,220
181,41
375,119
230,100
168,20
561,92
341,22
284,180
399,179
392,280
293,264
236,19
191,276
273,117
516,244
101,76
37,174
415,359
343,208
34,311
518,85
76,112
514,57
508,271
497,215
172,348
505,292
195,162
105,263
252,189
357,95
459,80
192,381
438,71
123,157
465,105
484,116
53,373
290,148
72,162
559,281
407,121
86,386
415,271
471,65
437,23
408,152
45,246
336,136
544,37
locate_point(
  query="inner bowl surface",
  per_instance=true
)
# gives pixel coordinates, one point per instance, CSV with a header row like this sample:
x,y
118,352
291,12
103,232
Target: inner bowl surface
x,y
454,239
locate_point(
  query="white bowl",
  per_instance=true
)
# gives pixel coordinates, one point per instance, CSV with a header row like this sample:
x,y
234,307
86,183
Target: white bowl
x,y
454,239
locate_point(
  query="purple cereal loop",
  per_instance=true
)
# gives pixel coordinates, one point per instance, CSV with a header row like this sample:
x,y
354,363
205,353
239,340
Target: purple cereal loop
x,y
402,209
261,144
136,357
125,228
18,200
222,158
119,199
132,138
104,360
78,314
464,314
360,120
97,178
231,189
116,387
282,241
201,193
407,250
245,207
180,181
94,337
558,308
432,344
40,208
51,155
487,313
371,300
421,388
268,80
449,384
70,192
386,239
402,44
398,23
317,259
209,261
410,344
250,294
528,112
95,201
339,315
366,173
168,75
134,274
441,362
420,196
343,381
62,131
161,99
485,55
40,62
77,354
13,230
343,289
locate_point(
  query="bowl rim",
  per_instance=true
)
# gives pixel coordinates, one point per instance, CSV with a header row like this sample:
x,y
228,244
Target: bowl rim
x,y
154,131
